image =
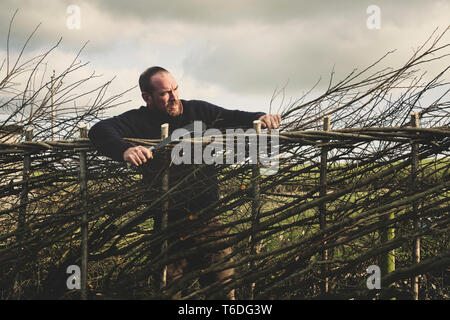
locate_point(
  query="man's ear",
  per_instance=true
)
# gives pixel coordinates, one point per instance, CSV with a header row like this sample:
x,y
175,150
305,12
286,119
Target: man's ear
x,y
147,98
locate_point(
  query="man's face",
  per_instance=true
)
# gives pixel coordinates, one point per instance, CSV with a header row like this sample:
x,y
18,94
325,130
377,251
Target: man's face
x,y
165,94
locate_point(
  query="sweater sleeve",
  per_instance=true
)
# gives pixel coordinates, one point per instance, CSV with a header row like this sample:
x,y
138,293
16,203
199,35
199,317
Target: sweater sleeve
x,y
219,117
107,135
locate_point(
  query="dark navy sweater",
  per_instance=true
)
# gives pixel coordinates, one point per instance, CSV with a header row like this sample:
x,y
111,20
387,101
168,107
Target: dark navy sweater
x,y
107,135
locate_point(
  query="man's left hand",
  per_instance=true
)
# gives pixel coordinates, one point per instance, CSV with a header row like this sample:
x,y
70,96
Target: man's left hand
x,y
270,121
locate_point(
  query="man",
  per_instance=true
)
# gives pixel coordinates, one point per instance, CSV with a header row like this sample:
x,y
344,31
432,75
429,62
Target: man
x,y
160,93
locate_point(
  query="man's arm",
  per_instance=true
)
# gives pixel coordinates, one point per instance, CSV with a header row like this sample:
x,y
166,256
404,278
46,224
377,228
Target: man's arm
x,y
107,136
223,118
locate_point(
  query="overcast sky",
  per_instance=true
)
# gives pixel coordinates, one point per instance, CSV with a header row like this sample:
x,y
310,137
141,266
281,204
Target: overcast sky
x,y
233,53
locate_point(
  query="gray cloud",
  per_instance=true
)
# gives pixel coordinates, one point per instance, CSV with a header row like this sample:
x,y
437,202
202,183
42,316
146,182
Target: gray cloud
x,y
260,57
240,47
235,11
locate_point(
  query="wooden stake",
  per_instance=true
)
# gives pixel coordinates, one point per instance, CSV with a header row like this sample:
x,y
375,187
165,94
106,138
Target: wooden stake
x,y
165,211
256,202
52,105
84,217
23,210
415,123
24,193
323,193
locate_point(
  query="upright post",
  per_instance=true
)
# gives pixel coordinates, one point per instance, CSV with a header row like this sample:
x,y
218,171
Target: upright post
x,y
323,193
24,193
387,263
388,258
415,123
256,202
23,208
84,217
52,105
165,209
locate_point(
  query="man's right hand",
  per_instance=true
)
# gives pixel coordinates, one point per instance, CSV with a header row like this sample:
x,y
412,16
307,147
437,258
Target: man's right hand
x,y
137,155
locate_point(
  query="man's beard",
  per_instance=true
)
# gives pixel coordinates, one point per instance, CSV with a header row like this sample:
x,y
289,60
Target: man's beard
x,y
174,108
